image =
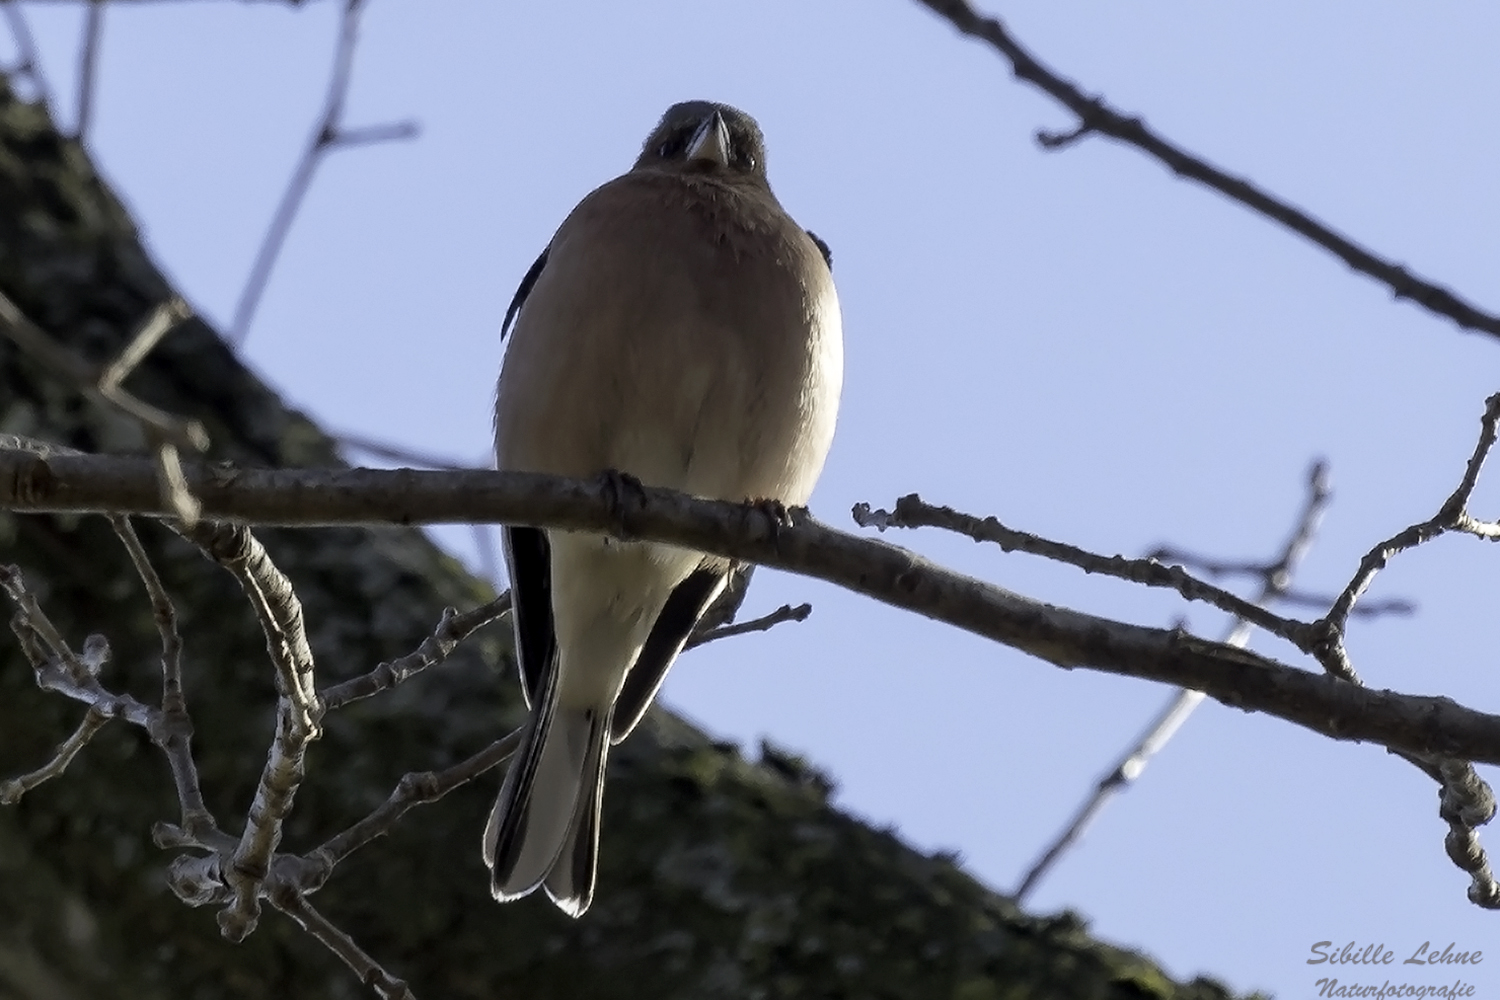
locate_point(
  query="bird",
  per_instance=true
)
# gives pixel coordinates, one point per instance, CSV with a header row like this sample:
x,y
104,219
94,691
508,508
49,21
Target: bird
x,y
680,330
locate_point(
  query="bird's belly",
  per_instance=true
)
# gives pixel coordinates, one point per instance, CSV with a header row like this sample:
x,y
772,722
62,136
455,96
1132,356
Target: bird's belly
x,y
606,597
722,429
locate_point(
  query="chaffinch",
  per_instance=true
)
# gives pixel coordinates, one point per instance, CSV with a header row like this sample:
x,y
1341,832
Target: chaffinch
x,y
682,330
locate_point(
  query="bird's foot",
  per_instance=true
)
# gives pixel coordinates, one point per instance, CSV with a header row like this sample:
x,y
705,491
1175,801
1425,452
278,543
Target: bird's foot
x,y
621,491
777,515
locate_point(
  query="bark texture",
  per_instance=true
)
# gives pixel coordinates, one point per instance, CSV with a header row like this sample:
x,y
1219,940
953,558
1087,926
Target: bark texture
x,y
721,876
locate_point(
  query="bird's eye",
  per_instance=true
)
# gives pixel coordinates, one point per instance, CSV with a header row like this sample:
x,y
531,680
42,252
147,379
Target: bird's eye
x,y
672,147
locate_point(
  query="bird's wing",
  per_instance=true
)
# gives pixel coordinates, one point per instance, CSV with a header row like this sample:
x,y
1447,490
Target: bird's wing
x,y
823,248
524,289
684,607
528,555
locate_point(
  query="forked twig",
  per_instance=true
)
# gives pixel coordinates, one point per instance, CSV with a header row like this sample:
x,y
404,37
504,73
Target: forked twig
x,y
330,134
785,613
1275,579
1096,117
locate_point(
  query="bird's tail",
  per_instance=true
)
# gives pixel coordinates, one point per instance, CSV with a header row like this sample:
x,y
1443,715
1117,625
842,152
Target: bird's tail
x,y
545,825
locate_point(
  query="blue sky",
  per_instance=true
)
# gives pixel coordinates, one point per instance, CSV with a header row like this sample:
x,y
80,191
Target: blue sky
x,y
1075,342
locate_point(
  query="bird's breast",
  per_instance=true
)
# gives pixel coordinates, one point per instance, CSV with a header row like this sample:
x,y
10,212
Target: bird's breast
x,y
690,341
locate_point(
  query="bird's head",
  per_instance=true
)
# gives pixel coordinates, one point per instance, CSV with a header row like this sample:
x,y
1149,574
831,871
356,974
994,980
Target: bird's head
x,y
701,136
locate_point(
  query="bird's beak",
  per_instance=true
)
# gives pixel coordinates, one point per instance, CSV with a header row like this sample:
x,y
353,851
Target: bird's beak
x,y
711,141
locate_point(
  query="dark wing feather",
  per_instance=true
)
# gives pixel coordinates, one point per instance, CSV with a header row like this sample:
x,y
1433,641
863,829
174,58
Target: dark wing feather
x,y
529,557
519,299
504,835
823,248
678,616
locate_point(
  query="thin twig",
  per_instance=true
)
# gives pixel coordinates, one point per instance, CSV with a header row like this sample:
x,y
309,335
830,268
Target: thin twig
x,y
58,668
911,511
369,971
1392,606
12,789
44,349
1095,116
1275,578
30,64
76,677
452,629
172,730
1466,800
169,432
158,323
413,790
785,613
1452,516
330,134
88,67
173,485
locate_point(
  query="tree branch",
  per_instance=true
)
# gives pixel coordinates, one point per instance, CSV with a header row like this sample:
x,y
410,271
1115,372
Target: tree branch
x,y
451,630
11,789
1434,725
785,613
330,134
88,66
1095,116
298,711
369,971
29,66
1275,578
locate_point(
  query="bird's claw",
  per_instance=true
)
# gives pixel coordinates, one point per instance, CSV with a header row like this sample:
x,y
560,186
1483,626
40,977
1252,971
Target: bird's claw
x,y
621,491
777,514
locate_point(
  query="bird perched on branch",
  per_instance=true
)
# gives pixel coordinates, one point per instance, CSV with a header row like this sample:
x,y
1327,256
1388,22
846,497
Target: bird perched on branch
x,y
680,330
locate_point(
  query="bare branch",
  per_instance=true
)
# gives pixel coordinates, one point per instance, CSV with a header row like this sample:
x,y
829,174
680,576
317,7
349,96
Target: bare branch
x,y
88,67
1095,116
30,65
914,512
104,389
107,484
298,712
63,363
369,971
370,135
276,608
1453,516
172,728
1466,803
329,134
785,613
451,630
158,323
11,789
58,668
1275,578
1392,606
413,790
